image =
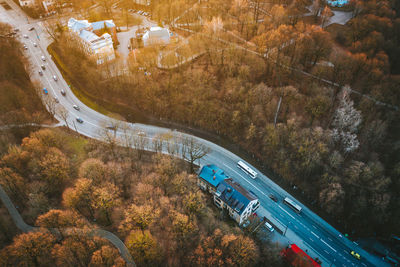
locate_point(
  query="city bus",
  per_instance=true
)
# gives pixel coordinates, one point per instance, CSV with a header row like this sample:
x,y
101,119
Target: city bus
x,y
292,204
241,165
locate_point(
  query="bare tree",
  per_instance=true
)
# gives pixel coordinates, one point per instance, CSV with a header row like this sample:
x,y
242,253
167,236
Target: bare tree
x,y
54,28
193,150
63,114
51,104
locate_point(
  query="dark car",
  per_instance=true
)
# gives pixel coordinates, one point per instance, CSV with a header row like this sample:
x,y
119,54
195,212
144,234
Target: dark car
x,y
31,29
79,120
273,197
111,127
63,92
40,73
43,67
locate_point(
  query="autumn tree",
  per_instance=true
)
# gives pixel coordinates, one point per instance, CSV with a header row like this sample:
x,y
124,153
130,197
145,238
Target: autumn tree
x,y
31,249
106,256
105,198
93,169
143,248
141,216
80,196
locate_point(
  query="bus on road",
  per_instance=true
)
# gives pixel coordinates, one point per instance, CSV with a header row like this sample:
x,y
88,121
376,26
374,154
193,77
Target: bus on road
x,y
241,165
292,204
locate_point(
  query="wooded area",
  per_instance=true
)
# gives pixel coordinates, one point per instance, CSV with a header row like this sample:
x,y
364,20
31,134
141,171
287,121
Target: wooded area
x,y
339,147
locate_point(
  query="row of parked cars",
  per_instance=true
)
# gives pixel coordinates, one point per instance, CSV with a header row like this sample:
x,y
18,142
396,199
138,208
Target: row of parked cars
x,y
140,12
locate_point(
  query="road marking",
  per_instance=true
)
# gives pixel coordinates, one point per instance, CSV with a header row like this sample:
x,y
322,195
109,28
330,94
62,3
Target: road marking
x,y
311,239
286,212
326,252
314,234
328,245
330,239
363,263
295,227
313,226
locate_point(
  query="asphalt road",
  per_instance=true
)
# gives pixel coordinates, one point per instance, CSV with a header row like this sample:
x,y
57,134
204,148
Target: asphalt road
x,y
306,229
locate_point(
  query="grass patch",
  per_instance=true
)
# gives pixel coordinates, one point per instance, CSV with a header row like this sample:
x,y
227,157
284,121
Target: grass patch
x,y
83,96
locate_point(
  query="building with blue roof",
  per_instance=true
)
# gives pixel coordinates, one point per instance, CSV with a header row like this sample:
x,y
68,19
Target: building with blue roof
x,y
227,193
209,178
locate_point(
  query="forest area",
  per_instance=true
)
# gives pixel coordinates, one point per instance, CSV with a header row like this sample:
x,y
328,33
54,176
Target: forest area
x,y
339,147
67,185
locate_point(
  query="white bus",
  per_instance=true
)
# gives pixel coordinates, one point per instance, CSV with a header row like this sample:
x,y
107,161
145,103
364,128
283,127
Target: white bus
x,y
241,165
292,204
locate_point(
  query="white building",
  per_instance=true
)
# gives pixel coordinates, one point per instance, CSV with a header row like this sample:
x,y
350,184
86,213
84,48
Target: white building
x,y
100,47
156,35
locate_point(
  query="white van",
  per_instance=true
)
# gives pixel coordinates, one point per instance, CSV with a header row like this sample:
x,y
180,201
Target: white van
x,y
269,227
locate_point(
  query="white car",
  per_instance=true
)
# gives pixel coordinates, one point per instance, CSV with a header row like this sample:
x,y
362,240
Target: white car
x,y
55,77
35,44
76,107
43,58
56,99
26,36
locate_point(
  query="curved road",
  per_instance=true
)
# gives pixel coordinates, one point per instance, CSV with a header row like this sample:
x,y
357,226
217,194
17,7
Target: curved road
x,y
306,229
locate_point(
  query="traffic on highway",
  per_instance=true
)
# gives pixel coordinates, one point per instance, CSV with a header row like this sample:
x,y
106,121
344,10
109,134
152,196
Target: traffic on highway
x,y
293,220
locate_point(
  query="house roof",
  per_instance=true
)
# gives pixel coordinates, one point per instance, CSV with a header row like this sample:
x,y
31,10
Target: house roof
x,y
157,32
88,36
212,174
76,25
100,24
234,195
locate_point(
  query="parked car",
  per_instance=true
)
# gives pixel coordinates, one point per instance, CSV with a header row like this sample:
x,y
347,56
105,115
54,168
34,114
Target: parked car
x,y
25,47
16,30
269,227
35,44
26,36
273,197
45,91
55,78
43,67
63,92
111,127
31,29
40,72
76,107
43,58
78,119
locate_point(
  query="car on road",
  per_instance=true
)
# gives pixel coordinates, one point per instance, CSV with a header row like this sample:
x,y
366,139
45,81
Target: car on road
x,y
269,227
40,72
43,58
63,92
31,29
43,67
273,197
56,99
35,44
55,77
78,119
355,255
25,47
76,107
16,30
45,91
26,36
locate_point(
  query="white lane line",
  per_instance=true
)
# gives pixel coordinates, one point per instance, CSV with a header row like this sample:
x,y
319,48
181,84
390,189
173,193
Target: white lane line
x,y
363,263
330,239
286,211
296,227
313,226
326,252
314,234
311,239
328,245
